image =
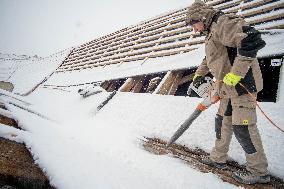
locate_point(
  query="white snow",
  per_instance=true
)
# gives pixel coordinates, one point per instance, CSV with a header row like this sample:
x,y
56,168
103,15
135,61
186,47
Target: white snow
x,y
81,150
12,133
274,43
78,147
25,74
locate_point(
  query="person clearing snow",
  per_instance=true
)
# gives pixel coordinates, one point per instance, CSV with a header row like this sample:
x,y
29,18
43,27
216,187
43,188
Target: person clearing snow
x,y
231,46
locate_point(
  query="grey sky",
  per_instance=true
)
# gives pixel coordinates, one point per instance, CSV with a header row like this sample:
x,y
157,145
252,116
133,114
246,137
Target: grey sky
x,y
44,27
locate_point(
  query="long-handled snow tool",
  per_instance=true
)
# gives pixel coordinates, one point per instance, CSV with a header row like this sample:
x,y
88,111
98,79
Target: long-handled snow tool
x,y
210,97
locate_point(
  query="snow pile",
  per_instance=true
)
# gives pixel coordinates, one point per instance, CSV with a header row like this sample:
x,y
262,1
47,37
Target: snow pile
x,y
12,133
27,73
84,149
80,150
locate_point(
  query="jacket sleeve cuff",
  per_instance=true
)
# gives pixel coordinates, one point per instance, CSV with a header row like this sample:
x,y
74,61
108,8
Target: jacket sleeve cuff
x,y
201,73
202,68
241,65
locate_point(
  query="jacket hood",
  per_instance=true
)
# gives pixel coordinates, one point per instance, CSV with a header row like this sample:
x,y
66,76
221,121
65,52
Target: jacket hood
x,y
199,11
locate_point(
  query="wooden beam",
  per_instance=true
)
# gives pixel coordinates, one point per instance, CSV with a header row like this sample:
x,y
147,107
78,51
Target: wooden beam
x,y
280,26
249,5
105,84
253,4
164,87
139,84
112,86
263,10
175,83
126,87
228,5
265,19
214,3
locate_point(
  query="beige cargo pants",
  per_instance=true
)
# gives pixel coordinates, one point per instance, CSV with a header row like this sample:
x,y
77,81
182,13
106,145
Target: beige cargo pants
x,y
238,116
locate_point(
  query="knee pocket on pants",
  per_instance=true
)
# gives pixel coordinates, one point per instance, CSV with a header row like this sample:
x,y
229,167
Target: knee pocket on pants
x,y
218,125
244,116
244,111
243,136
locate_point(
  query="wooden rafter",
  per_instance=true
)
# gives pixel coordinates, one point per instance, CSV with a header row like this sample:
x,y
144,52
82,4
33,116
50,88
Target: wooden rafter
x,y
169,83
111,87
265,19
139,84
127,86
175,82
263,10
105,84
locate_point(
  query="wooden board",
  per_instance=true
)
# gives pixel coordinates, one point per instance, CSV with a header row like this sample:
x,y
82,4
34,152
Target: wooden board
x,y
126,87
263,10
175,82
265,19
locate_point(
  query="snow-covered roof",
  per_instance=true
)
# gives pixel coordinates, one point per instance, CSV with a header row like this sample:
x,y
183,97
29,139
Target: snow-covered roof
x,y
274,43
157,45
28,72
115,71
274,46
168,35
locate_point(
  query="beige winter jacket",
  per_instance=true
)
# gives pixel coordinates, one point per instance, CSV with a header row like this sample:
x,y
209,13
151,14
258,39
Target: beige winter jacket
x,y
230,46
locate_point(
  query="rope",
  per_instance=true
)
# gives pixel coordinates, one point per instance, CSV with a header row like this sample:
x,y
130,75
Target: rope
x,y
265,115
255,101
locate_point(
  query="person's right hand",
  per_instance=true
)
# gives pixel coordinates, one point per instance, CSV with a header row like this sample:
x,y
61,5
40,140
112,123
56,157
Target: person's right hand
x,y
196,80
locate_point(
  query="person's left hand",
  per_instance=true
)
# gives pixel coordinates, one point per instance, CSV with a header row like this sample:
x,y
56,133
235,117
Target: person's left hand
x,y
231,79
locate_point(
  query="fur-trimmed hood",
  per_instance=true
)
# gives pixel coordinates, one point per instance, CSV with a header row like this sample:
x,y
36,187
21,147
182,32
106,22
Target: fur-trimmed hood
x,y
199,11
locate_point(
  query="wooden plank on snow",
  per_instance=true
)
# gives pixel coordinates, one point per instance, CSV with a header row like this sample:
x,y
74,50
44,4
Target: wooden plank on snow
x,y
266,19
214,3
262,10
280,26
249,5
228,5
